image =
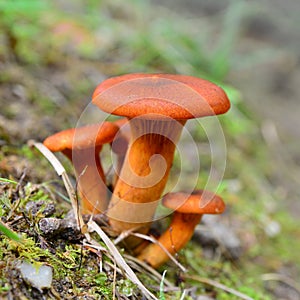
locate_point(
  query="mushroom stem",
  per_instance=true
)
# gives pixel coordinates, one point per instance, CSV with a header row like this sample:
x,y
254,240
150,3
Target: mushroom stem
x,y
82,146
144,174
91,180
173,239
88,169
189,209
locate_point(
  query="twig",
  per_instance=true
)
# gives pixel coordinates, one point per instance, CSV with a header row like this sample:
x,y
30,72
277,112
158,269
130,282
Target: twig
x,y
114,267
114,281
219,286
123,235
60,170
97,247
279,277
156,275
119,259
20,181
183,295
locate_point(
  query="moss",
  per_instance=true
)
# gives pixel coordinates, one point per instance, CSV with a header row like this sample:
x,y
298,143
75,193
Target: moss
x,y
69,261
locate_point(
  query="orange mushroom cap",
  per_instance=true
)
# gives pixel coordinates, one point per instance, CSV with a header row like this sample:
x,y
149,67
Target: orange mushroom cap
x,y
179,97
198,202
82,137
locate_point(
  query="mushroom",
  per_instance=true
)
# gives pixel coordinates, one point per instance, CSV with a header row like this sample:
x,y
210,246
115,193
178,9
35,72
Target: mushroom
x,y
82,146
157,107
120,145
189,209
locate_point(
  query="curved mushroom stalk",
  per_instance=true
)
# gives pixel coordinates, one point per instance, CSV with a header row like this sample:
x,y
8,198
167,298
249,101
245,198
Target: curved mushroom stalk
x,y
144,173
176,236
157,106
188,213
82,146
91,180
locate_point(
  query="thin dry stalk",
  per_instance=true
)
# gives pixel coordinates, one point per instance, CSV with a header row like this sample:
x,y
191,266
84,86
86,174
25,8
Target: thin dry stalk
x,y
284,279
60,170
119,259
219,285
123,235
97,247
114,281
145,267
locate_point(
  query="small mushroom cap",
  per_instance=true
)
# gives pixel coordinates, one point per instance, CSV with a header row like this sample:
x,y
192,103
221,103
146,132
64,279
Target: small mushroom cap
x,y
178,97
82,137
199,202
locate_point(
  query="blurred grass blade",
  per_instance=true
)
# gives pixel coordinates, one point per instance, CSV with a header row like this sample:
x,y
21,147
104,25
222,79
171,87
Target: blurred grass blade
x,y
9,233
8,180
161,287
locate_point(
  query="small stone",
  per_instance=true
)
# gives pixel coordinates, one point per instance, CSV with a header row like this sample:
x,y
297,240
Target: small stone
x,y
202,297
49,226
39,277
64,228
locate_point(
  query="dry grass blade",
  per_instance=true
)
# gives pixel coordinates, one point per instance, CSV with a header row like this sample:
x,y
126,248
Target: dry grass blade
x,y
94,246
145,267
279,277
58,167
219,285
60,170
119,259
114,281
123,235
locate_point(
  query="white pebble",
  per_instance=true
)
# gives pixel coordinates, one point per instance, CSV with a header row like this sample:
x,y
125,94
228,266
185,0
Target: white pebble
x,y
39,277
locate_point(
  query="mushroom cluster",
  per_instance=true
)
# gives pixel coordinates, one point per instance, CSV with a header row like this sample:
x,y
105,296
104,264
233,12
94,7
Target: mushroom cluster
x,y
154,109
